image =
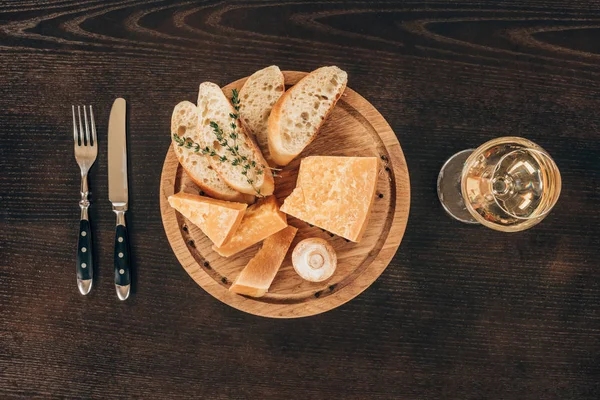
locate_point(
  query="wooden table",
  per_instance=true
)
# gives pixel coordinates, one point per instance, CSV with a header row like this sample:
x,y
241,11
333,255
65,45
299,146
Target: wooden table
x,y
462,312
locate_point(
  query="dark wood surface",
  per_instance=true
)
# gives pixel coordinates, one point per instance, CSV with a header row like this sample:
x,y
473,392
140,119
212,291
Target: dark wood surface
x,y
462,312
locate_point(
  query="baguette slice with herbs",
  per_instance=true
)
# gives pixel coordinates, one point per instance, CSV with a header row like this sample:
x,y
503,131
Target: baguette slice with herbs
x,y
300,112
258,95
233,154
184,129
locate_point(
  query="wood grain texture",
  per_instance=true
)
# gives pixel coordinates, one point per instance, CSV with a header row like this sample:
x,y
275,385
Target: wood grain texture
x,y
462,312
353,129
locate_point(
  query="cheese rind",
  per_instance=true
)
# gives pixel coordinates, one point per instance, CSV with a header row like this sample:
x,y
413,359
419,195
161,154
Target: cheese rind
x,y
335,193
218,219
256,278
260,221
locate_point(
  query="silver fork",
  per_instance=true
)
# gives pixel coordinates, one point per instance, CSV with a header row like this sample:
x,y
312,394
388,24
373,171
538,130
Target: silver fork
x,y
86,150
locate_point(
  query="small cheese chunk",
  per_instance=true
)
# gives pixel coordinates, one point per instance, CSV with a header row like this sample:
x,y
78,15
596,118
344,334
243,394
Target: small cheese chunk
x,y
218,219
257,276
335,193
260,221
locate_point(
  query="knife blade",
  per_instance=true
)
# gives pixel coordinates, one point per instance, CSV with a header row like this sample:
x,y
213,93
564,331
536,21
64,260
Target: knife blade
x,y
118,193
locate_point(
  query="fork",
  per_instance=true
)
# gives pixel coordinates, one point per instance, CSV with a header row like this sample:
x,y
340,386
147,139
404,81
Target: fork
x,y
86,150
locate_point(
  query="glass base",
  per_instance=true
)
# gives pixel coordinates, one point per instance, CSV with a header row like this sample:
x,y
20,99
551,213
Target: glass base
x,y
448,187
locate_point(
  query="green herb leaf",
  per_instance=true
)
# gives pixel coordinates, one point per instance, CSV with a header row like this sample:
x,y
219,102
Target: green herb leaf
x,y
235,100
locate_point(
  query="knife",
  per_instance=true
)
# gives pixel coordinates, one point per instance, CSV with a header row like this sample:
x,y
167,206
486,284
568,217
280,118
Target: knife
x,y
117,193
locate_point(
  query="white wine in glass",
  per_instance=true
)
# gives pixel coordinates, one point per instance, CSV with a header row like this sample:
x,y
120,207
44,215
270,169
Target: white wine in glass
x,y
508,184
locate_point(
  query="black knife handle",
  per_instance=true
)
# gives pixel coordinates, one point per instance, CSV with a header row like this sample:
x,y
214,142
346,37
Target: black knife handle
x,y
85,263
122,260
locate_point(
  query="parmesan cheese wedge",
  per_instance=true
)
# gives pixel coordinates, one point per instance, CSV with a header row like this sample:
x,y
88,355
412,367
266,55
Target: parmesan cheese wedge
x,y
335,194
256,278
260,221
218,219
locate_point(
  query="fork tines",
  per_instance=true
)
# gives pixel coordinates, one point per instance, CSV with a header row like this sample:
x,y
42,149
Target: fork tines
x,y
79,137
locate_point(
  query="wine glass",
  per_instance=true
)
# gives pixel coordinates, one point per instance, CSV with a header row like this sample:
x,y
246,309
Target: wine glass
x,y
507,184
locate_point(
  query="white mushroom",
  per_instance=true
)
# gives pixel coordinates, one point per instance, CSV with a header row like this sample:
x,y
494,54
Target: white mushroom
x,y
314,259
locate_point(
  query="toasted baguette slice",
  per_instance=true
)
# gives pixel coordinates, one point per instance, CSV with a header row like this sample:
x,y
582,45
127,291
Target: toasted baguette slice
x,y
184,122
256,278
260,221
218,219
257,97
300,112
213,106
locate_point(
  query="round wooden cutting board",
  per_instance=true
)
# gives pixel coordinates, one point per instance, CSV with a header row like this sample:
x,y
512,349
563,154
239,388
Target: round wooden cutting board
x,y
354,128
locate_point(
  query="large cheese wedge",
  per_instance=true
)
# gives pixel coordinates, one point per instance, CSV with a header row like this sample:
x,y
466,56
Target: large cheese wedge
x,y
260,221
335,193
256,278
218,219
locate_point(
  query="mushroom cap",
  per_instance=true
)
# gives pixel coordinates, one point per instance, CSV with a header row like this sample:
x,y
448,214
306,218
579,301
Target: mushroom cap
x,y
314,259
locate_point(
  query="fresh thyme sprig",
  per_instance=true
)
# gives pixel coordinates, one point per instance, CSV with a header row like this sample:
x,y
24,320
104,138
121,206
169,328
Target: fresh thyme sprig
x,y
235,159
186,142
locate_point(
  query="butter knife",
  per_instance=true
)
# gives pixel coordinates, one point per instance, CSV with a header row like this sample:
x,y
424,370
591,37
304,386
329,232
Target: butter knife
x,y
118,195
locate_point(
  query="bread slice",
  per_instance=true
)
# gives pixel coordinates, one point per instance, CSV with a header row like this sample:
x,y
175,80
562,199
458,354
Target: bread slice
x,y
184,122
214,107
256,278
335,194
257,97
300,112
218,219
260,221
